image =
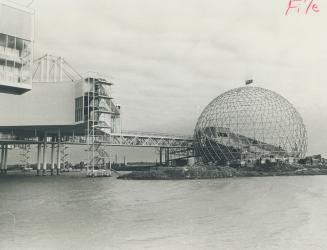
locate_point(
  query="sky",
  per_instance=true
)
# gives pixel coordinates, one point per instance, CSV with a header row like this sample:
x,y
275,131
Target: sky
x,y
169,59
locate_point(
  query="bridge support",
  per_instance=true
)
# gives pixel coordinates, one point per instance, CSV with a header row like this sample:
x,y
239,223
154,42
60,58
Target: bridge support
x,y
52,158
38,166
58,152
2,158
6,159
44,169
167,156
160,156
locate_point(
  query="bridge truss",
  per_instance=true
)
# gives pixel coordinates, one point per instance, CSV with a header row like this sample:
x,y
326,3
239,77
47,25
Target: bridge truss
x,y
170,147
117,139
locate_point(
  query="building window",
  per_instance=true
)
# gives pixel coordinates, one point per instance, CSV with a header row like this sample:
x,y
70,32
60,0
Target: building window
x,y
3,40
79,109
11,42
15,60
19,45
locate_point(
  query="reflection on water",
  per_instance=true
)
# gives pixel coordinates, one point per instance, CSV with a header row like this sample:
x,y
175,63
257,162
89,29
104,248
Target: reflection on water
x,y
70,212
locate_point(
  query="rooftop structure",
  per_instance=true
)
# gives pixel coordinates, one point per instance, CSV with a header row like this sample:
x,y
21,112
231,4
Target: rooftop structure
x,y
249,123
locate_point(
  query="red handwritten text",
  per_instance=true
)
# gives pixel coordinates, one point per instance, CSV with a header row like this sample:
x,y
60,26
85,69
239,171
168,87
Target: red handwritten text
x,y
301,6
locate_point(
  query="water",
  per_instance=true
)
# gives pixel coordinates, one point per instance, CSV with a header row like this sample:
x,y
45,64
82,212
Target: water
x,y
70,212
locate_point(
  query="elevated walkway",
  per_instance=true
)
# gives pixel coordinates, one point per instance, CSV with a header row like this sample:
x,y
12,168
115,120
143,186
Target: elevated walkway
x,y
126,138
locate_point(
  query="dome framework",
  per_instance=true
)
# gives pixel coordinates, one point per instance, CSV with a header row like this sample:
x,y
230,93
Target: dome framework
x,y
249,123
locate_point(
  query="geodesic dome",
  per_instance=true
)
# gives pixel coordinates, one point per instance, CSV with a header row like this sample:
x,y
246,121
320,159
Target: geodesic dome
x,y
249,123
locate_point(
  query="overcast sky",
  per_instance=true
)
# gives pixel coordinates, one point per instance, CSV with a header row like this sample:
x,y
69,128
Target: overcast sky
x,y
170,58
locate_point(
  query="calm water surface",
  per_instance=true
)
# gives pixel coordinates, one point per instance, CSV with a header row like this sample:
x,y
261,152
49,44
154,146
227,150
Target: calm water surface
x,y
70,212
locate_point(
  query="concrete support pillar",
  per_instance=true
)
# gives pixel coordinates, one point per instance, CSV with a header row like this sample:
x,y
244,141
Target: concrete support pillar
x,y
5,159
58,153
52,158
160,157
167,156
2,159
44,169
38,164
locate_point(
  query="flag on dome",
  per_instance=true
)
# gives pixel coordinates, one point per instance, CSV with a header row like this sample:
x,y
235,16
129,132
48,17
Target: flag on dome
x,y
247,82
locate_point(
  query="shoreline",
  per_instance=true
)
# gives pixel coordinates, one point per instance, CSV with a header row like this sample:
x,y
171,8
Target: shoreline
x,y
185,173
191,173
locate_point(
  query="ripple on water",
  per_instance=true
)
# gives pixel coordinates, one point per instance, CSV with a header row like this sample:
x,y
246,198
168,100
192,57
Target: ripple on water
x,y
245,213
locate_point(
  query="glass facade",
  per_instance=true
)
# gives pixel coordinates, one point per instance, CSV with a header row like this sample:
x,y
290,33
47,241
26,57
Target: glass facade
x,y
16,47
15,60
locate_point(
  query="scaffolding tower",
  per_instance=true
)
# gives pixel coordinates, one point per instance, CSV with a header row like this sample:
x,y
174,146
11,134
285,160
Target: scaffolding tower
x,y
25,155
101,116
